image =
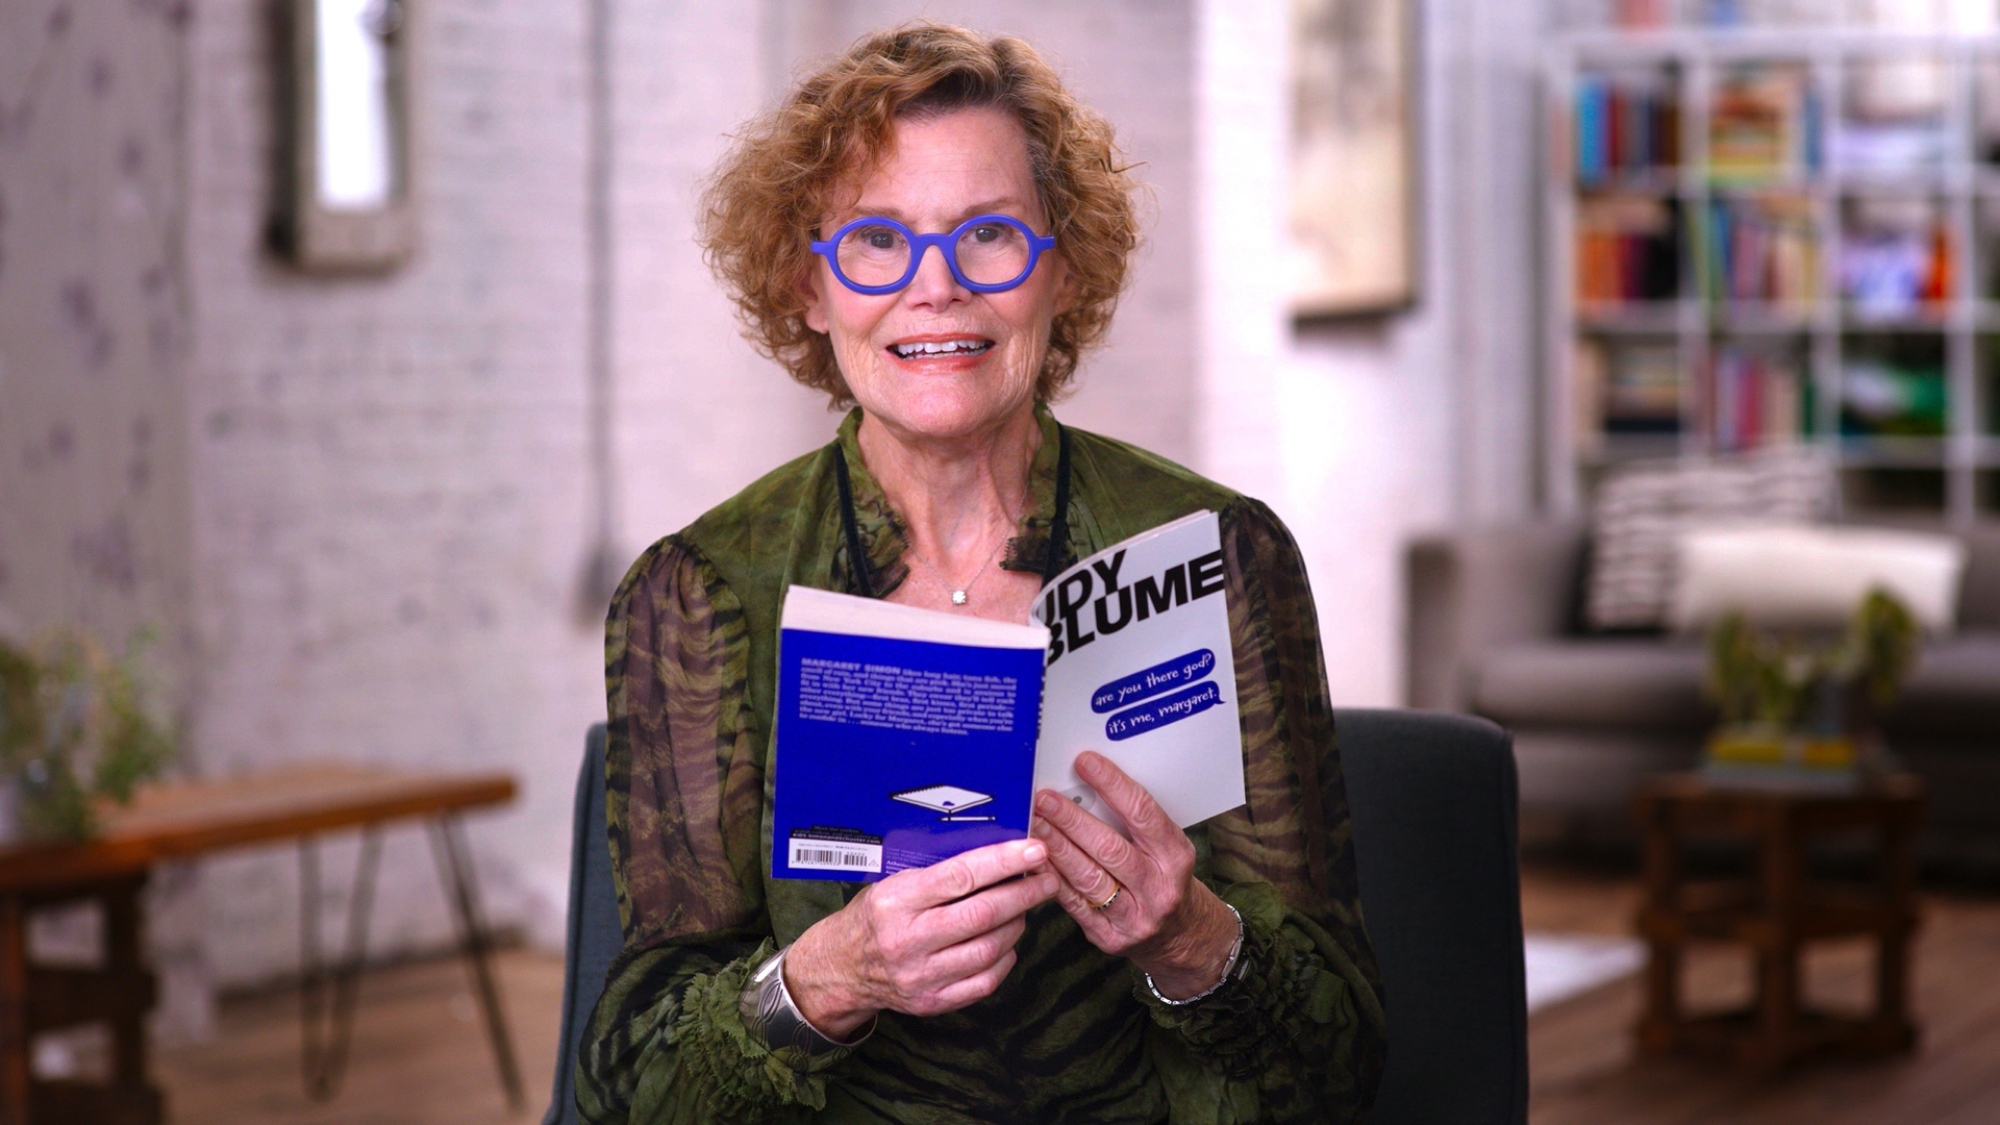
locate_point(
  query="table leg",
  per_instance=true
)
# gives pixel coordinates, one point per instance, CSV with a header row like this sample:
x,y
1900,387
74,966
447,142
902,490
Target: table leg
x,y
124,959
15,1063
1660,1025
455,867
327,1025
1783,868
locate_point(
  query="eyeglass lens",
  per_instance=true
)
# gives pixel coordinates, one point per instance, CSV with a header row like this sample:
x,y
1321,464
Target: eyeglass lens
x,y
987,254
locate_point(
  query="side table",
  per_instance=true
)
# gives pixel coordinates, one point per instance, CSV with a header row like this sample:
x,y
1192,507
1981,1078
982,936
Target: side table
x,y
1776,912
191,818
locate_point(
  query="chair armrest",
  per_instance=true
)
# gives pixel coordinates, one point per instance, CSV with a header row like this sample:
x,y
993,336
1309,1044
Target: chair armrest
x,y
1471,590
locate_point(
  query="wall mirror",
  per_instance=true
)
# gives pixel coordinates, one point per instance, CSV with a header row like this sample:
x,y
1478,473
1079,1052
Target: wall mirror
x,y
346,203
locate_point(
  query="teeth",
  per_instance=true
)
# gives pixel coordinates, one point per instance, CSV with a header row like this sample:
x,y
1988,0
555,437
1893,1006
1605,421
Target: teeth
x,y
943,347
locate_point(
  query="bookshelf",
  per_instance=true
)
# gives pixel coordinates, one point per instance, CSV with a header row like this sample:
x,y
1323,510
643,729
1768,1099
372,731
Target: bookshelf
x,y
1761,238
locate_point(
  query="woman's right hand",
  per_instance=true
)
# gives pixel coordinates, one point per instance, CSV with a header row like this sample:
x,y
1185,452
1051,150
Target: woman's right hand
x,y
924,941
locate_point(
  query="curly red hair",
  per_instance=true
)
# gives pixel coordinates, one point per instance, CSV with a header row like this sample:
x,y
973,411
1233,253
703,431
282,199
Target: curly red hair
x,y
768,197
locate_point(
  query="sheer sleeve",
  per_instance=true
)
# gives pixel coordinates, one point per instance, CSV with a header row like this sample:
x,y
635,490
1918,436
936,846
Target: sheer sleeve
x,y
1298,1034
683,802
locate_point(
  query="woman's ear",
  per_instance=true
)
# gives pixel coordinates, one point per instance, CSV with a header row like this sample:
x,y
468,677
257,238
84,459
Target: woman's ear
x,y
815,304
1067,293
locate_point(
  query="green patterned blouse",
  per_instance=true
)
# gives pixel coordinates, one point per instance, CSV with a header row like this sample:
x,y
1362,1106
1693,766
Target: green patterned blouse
x,y
1072,1034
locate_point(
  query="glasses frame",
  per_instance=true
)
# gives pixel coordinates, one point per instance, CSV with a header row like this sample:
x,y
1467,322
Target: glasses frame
x,y
920,244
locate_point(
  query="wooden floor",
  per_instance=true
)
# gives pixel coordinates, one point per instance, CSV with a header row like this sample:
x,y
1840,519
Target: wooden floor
x,y
420,1054
1583,1070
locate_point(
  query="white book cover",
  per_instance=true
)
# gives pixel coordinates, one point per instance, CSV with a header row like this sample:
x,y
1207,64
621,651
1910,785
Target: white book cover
x,y
1140,670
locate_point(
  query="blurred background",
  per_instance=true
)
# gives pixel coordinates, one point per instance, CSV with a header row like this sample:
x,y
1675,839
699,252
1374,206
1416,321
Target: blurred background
x,y
356,365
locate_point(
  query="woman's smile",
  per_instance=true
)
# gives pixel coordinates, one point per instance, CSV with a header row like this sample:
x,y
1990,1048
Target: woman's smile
x,y
941,352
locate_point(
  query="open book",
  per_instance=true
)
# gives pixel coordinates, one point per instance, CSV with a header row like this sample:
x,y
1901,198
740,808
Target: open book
x,y
905,736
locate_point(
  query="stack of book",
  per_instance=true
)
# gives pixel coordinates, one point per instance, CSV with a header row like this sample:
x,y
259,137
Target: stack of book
x,y
1627,389
1757,399
1626,124
1764,124
1628,249
1761,249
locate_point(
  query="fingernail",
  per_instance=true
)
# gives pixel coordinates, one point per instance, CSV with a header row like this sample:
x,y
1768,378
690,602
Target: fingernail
x,y
1086,761
1046,802
1034,853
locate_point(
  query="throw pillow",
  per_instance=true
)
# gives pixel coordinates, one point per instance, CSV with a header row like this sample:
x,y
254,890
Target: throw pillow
x,y
1813,577
1643,509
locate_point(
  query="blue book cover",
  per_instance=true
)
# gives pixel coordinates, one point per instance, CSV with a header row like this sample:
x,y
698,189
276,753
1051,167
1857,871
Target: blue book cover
x,y
905,736
1592,98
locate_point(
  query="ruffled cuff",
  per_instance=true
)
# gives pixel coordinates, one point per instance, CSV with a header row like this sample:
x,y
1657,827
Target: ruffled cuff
x,y
740,1078
1253,1021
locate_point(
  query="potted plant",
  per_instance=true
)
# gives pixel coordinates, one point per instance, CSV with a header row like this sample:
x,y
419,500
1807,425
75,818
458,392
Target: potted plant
x,y
1800,708
77,727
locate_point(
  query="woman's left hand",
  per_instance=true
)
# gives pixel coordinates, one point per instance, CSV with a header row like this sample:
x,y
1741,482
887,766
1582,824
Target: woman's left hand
x,y
1136,898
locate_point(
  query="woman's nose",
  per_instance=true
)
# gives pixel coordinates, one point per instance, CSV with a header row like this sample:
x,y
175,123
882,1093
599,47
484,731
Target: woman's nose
x,y
935,286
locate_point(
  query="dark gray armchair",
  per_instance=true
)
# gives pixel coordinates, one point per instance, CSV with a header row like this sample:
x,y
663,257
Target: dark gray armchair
x,y
1432,800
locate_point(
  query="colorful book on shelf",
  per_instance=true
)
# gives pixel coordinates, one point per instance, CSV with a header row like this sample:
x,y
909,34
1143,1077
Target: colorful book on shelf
x,y
1762,249
1756,399
1626,123
1628,249
1895,257
905,736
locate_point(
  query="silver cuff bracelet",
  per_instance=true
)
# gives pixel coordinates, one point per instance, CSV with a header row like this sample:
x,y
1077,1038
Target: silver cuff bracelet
x,y
1228,969
770,1015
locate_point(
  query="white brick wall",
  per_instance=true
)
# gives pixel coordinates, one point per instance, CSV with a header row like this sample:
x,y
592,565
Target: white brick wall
x,y
391,508
94,324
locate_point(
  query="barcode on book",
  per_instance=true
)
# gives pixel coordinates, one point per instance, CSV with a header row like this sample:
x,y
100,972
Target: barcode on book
x,y
816,852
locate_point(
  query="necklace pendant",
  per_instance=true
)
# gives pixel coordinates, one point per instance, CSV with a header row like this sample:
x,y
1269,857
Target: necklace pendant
x,y
958,597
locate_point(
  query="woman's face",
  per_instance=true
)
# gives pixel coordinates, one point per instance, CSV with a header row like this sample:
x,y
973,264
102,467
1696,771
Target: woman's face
x,y
939,172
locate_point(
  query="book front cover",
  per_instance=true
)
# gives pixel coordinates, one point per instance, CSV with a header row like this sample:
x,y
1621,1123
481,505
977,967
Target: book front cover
x,y
1141,669
898,753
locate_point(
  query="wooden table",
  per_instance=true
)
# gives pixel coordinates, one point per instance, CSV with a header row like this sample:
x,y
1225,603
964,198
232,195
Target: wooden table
x,y
187,819
1775,912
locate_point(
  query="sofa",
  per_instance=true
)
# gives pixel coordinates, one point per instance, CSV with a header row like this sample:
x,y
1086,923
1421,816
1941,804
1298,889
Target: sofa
x,y
1494,630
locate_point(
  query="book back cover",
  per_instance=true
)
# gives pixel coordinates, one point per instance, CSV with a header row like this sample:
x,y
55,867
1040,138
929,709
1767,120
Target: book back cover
x,y
903,736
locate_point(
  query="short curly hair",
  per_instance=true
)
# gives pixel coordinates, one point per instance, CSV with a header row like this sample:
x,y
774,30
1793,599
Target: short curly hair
x,y
766,200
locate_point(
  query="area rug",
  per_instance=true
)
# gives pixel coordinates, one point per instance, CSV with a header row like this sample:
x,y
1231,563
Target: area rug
x,y
1564,965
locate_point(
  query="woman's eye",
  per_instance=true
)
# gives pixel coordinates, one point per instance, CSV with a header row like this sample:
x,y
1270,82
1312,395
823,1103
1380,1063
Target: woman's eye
x,y
987,233
881,239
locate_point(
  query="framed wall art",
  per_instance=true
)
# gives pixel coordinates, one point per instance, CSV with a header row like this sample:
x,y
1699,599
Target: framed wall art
x,y
1353,230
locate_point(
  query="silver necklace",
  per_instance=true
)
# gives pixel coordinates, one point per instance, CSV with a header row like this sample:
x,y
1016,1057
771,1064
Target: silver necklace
x,y
959,597
963,594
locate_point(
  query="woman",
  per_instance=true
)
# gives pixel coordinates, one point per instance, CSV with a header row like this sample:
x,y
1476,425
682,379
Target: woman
x,y
933,230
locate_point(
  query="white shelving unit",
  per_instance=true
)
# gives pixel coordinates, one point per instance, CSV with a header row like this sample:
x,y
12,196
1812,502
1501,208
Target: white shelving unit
x,y
1956,472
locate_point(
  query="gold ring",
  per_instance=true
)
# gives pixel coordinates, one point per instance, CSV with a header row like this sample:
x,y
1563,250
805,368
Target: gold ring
x,y
1116,890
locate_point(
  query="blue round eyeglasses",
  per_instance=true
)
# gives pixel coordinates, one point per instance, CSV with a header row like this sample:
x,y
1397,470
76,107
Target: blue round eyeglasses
x,y
987,254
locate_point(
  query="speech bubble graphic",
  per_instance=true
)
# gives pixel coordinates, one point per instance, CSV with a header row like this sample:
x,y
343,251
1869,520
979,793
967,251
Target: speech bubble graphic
x,y
1166,676
1162,712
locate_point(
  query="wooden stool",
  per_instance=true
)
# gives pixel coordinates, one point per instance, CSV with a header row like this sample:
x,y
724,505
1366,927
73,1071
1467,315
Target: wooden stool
x,y
1775,913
